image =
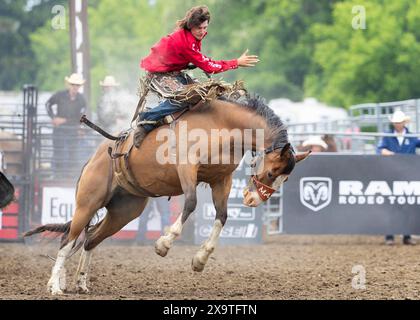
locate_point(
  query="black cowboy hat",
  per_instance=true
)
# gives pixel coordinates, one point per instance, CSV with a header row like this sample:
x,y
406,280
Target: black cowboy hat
x,y
7,191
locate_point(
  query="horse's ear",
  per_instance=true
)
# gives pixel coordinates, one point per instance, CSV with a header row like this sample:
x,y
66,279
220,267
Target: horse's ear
x,y
302,156
285,149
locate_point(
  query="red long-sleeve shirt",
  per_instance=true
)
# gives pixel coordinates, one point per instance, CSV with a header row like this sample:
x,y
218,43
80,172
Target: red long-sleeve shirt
x,y
175,51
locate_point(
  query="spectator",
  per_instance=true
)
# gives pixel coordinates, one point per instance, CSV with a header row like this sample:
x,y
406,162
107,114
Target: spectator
x,y
330,141
398,144
314,144
110,114
70,106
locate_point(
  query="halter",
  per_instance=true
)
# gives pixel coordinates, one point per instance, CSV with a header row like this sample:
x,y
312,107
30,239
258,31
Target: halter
x,y
264,191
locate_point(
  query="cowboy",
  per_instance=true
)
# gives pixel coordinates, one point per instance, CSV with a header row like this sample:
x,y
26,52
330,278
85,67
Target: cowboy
x,y
110,112
398,144
108,83
70,106
315,144
174,53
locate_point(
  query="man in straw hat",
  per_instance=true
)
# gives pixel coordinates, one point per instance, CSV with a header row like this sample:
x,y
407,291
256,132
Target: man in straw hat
x,y
108,83
112,111
398,144
70,106
108,108
315,144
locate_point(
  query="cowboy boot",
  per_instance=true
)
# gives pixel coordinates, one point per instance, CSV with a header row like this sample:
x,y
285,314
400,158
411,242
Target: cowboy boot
x,y
139,135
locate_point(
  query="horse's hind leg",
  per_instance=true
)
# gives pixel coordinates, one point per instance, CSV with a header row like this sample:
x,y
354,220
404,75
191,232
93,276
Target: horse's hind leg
x,y
83,268
91,193
121,210
82,271
57,282
82,216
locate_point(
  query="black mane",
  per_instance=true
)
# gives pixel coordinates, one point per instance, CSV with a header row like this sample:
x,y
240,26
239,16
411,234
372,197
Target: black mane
x,y
258,105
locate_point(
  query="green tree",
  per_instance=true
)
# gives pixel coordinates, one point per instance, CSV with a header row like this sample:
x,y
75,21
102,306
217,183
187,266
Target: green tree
x,y
379,63
17,20
122,32
276,30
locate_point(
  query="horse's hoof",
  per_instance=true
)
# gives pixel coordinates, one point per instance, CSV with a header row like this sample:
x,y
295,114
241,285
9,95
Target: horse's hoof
x,y
160,248
55,291
54,288
62,284
162,251
82,290
196,265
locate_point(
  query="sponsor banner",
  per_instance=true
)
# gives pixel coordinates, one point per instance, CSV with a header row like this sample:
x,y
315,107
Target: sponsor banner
x,y
243,231
236,212
59,203
244,224
353,194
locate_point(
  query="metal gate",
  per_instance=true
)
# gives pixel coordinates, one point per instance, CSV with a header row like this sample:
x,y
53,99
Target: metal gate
x,y
28,160
17,127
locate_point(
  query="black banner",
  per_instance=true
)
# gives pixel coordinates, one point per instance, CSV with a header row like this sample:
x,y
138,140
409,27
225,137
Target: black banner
x,y
353,194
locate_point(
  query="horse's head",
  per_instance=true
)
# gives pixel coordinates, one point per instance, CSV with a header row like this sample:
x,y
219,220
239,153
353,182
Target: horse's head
x,y
271,170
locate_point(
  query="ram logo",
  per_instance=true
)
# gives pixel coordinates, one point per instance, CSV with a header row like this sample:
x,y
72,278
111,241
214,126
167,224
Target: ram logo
x,y
315,192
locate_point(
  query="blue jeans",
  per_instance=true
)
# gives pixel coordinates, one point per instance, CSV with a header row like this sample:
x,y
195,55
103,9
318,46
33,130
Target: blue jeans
x,y
165,108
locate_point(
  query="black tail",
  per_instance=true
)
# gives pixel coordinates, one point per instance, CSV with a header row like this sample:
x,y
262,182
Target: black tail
x,y
54,227
65,229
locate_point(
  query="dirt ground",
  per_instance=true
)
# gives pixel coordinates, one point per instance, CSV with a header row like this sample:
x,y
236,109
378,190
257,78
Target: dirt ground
x,y
285,267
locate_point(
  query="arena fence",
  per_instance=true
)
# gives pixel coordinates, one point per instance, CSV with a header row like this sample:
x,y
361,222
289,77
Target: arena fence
x,y
45,182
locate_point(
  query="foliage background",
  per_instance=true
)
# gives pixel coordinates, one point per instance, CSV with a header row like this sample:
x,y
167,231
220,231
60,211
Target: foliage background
x,y
306,47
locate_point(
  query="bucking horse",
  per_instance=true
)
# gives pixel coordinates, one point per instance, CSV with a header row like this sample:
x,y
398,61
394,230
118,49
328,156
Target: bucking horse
x,y
123,182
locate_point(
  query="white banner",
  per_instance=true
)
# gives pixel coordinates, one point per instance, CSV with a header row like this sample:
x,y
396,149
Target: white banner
x,y
58,205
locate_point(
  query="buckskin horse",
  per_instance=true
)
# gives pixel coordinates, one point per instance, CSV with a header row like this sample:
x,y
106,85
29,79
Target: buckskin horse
x,y
99,185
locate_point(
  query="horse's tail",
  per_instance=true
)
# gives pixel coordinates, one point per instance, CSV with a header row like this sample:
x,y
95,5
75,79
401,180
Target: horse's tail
x,y
64,228
53,227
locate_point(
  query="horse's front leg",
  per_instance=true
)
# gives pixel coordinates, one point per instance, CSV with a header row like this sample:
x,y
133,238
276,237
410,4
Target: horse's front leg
x,y
188,178
220,193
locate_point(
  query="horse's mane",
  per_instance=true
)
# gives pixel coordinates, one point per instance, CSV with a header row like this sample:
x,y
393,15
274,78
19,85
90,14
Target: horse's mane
x,y
257,104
